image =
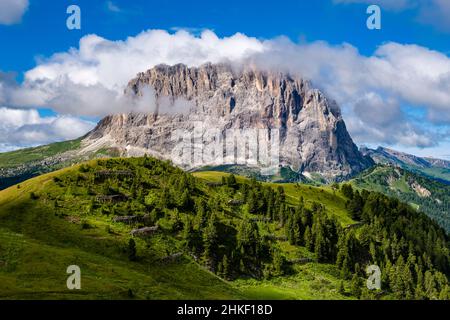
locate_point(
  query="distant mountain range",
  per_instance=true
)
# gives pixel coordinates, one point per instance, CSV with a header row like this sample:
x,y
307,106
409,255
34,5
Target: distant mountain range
x,y
437,169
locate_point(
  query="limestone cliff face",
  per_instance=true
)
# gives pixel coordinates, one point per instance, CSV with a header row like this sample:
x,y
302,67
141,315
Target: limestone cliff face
x,y
312,134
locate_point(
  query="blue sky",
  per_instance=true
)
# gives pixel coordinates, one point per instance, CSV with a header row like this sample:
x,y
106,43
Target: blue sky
x,y
41,31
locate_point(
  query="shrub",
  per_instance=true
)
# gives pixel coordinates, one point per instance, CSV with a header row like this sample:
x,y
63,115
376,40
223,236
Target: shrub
x,y
34,196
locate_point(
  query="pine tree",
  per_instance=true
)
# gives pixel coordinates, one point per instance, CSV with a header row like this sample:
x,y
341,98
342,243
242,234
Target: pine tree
x,y
210,238
408,283
225,265
188,233
398,283
185,200
132,250
296,234
430,286
355,286
231,181
347,191
308,239
252,202
341,289
200,207
445,293
242,268
319,247
278,263
419,292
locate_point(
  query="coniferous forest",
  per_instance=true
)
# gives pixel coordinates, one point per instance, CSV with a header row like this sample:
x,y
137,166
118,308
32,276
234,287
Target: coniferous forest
x,y
238,228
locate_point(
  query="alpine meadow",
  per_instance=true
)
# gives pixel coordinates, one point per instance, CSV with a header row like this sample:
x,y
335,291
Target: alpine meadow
x,y
217,159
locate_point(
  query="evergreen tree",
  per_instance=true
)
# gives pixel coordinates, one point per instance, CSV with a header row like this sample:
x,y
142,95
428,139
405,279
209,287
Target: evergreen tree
x,y
188,234
226,270
308,239
185,200
231,181
341,289
347,190
278,263
355,286
210,242
132,256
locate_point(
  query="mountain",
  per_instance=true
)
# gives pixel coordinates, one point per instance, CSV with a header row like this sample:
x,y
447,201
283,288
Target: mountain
x,y
425,194
215,117
20,165
140,228
221,106
437,169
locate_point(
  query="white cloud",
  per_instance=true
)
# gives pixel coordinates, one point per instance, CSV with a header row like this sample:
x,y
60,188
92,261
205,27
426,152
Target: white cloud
x,y
25,128
11,11
374,120
90,80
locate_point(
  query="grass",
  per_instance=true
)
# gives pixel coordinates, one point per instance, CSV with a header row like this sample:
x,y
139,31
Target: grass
x,y
16,158
38,243
39,272
441,174
312,281
36,247
334,202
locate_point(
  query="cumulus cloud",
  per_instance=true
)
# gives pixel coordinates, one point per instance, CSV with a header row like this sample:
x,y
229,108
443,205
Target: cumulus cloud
x,y
25,128
374,120
11,11
90,80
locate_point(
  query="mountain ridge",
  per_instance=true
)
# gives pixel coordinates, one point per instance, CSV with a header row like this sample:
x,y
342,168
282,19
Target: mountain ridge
x,y
312,134
437,169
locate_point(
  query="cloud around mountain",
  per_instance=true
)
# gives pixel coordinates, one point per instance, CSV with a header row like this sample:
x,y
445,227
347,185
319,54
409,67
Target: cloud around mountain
x,y
393,82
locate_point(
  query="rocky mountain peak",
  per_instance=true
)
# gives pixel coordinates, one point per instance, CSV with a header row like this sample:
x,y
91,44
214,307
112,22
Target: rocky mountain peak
x,y
311,134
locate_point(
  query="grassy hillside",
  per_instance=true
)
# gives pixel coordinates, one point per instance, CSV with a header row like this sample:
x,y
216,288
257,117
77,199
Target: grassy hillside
x,y
436,173
427,195
23,156
217,237
333,201
37,243
39,239
435,169
20,165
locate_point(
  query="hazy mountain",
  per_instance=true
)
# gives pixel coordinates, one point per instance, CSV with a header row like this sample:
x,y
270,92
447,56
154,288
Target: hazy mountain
x,y
430,167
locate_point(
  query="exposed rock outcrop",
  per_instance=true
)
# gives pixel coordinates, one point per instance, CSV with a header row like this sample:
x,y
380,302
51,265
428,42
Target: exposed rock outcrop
x,y
282,110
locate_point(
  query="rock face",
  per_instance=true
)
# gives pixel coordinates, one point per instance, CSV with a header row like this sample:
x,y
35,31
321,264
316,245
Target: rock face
x,y
275,111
